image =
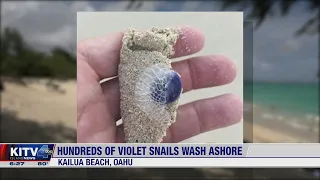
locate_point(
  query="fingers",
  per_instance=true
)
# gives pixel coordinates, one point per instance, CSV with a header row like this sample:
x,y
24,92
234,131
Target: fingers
x,y
189,42
102,53
205,115
196,73
205,71
201,116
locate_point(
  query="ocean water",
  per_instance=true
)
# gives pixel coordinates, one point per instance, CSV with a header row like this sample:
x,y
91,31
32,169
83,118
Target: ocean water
x,y
291,98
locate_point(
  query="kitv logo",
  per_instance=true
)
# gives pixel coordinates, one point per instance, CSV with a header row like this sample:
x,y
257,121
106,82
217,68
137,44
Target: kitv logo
x,y
30,153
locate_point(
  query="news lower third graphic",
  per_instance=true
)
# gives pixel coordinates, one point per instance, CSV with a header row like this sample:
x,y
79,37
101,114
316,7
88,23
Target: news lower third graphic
x,y
26,152
159,155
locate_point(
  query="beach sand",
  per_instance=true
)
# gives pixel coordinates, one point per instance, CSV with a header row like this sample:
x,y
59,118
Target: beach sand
x,y
270,127
36,113
144,59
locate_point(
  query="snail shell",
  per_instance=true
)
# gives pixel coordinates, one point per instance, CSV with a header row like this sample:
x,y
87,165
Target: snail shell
x,y
156,88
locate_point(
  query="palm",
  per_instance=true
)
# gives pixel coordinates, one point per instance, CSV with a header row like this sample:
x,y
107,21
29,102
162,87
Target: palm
x,y
98,104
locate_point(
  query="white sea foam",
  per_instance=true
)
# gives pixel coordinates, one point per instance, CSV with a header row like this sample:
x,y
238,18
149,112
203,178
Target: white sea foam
x,y
267,116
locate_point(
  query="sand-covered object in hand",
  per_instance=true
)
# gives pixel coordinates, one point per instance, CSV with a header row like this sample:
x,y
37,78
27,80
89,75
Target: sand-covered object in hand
x,y
149,88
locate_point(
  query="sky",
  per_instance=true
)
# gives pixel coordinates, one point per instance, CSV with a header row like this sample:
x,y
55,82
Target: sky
x,y
277,54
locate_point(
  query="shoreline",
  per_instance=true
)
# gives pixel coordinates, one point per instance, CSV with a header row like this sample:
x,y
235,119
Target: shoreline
x,y
271,127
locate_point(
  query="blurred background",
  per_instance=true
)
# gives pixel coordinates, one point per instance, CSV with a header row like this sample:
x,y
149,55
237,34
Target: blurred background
x,y
281,64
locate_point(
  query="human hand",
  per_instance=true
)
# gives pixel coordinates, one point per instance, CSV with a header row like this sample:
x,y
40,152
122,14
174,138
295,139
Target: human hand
x,y
98,105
